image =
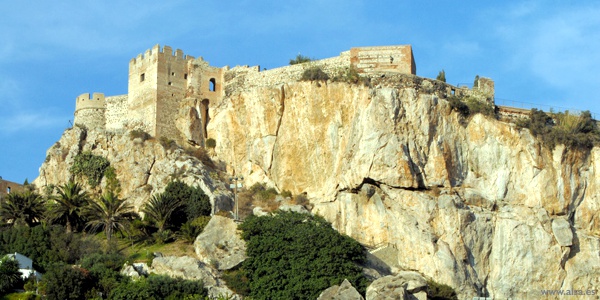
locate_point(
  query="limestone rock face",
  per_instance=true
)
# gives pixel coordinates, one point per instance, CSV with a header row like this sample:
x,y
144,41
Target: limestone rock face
x,y
143,168
220,243
345,291
474,203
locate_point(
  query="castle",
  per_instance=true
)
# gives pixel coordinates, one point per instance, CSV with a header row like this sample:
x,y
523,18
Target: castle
x,y
160,80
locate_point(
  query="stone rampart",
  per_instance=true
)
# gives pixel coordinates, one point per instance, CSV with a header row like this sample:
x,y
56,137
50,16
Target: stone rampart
x,y
116,112
90,111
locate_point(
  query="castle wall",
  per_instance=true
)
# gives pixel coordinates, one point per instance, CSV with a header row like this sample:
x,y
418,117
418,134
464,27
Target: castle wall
x,y
162,83
384,58
7,187
89,111
116,112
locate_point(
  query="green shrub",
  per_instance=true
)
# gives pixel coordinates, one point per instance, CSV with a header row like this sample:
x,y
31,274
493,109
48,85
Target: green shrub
x,y
167,143
63,281
297,256
237,281
10,276
441,76
467,106
90,166
575,131
138,133
314,73
159,287
286,194
300,59
350,75
438,291
211,143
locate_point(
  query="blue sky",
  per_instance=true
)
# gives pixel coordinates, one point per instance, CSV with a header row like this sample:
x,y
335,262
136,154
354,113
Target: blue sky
x,y
543,52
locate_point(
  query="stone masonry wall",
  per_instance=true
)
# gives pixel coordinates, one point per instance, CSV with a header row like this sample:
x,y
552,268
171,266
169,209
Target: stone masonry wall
x,y
116,112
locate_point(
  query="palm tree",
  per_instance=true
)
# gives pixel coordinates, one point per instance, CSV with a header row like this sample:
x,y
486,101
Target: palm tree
x,y
24,208
70,203
159,209
10,276
110,214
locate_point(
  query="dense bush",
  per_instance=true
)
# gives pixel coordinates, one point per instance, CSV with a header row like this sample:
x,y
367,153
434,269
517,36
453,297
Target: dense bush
x,y
438,291
467,106
46,245
159,287
575,131
63,281
90,166
237,281
350,75
138,133
300,59
296,256
314,73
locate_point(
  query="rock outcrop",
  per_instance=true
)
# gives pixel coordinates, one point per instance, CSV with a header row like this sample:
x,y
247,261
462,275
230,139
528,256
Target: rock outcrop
x,y
475,203
344,291
404,285
143,168
219,244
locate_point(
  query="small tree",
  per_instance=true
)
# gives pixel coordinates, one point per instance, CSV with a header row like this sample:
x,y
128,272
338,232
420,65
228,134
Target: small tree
x,y
441,76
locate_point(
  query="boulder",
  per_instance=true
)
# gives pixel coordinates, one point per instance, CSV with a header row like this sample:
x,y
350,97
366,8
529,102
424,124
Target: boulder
x,y
345,291
294,208
259,211
220,244
404,285
185,267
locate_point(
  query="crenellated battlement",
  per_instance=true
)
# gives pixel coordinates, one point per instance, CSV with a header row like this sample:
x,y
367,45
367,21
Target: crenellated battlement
x,y
165,52
84,101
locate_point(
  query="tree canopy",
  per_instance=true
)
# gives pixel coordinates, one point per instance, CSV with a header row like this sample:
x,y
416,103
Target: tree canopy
x,y
297,256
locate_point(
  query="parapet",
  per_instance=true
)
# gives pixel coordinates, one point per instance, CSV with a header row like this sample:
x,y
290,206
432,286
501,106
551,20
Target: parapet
x,y
84,101
156,51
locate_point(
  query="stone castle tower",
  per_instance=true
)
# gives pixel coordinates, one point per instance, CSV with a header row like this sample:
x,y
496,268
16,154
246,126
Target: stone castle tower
x,y
169,93
158,81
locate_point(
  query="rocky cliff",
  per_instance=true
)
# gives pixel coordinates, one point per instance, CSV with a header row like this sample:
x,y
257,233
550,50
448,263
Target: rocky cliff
x,y
474,203
143,167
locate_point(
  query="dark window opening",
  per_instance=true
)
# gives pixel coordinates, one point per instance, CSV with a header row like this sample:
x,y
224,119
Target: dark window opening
x,y
212,85
142,77
184,76
8,190
169,83
172,73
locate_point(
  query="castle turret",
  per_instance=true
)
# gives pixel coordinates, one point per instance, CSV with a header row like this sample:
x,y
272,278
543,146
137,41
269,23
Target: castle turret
x,y
90,111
